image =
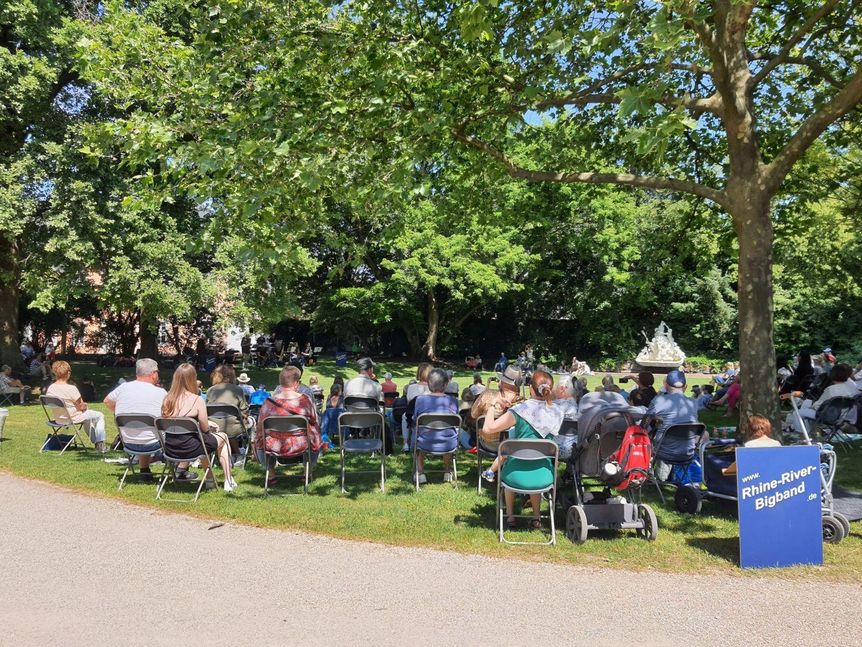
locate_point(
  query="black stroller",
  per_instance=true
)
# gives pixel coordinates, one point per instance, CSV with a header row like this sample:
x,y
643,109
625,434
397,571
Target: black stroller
x,y
598,455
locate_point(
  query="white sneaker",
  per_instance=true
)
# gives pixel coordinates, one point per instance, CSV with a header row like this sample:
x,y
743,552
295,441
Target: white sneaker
x,y
422,478
448,477
229,486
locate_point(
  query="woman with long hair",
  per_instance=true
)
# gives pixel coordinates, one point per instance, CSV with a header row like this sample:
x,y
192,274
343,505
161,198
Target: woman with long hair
x,y
183,400
536,418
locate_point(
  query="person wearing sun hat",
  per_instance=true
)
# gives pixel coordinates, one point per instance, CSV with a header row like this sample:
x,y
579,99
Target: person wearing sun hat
x,y
668,409
244,383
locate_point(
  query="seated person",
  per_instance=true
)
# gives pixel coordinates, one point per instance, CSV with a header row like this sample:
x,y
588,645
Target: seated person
x,y
841,387
729,398
668,409
183,400
225,390
243,381
141,396
316,390
644,392
40,369
365,384
758,434
564,400
444,440
289,401
75,410
705,398
9,384
534,418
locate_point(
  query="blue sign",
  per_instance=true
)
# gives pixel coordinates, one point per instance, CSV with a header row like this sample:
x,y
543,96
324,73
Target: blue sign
x,y
341,359
779,506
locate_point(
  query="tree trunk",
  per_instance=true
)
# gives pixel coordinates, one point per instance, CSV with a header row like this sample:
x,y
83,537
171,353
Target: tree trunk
x,y
149,342
9,303
429,348
750,211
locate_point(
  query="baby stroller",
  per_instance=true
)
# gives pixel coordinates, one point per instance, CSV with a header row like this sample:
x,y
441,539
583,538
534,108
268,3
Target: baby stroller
x,y
612,449
716,455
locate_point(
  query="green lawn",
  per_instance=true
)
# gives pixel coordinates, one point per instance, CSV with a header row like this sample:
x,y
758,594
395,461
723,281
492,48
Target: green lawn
x,y
440,516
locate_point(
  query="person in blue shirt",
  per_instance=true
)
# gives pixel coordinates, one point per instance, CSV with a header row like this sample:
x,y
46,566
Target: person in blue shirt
x,y
668,409
437,440
502,363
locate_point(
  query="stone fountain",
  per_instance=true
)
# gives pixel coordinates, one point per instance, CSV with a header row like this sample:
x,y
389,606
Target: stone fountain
x,y
661,353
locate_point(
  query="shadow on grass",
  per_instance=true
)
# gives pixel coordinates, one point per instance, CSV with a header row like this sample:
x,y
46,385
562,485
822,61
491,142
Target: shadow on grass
x,y
726,548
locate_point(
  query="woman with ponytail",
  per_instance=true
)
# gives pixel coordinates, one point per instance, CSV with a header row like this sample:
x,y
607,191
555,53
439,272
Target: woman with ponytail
x,y
535,418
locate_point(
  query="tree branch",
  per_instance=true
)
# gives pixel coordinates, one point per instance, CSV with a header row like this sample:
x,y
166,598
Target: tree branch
x,y
782,55
813,127
625,179
805,61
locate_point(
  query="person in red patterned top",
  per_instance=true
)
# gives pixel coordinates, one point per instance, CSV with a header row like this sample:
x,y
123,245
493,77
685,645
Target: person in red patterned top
x,y
288,402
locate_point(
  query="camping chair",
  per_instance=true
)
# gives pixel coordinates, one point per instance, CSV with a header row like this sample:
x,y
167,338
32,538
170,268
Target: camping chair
x,y
690,434
371,445
7,398
436,422
51,402
221,414
181,426
290,426
529,450
831,416
136,422
486,448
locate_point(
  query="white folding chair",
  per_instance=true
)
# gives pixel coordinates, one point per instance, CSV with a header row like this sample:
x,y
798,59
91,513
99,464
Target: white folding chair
x,y
376,442
529,450
57,405
137,423
287,426
176,428
435,422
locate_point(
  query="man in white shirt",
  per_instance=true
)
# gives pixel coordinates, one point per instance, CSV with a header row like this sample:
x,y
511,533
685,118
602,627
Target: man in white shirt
x,y
364,385
142,396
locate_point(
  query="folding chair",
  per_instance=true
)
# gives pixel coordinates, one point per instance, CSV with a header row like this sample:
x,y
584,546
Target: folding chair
x,y
7,399
389,398
181,426
138,423
359,404
689,434
486,448
529,450
221,414
431,422
49,401
290,426
372,420
831,416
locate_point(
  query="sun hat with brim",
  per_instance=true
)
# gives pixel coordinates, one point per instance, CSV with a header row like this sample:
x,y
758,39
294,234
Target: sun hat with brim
x,y
512,378
676,379
243,378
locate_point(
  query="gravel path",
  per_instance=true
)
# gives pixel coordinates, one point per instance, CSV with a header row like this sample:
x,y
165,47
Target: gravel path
x,y
66,580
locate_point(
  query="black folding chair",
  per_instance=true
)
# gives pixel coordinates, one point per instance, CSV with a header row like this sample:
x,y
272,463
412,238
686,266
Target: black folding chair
x,y
49,402
177,428
223,415
690,435
486,448
137,423
432,422
287,426
831,417
375,442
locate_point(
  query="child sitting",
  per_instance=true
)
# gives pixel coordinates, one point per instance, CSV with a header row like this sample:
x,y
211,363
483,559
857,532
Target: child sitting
x,y
501,400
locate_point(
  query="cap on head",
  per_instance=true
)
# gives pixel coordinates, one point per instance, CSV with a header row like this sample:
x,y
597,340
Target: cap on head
x,y
511,377
827,350
366,364
388,376
675,379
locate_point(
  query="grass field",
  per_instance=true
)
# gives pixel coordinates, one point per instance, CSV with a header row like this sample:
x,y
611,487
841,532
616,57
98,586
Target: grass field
x,y
439,516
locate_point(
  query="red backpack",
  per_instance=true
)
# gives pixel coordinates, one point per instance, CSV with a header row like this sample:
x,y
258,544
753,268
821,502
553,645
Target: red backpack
x,y
633,458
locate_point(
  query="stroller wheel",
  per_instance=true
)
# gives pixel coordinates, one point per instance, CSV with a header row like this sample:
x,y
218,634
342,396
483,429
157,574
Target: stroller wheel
x,y
576,525
843,521
687,499
833,530
649,531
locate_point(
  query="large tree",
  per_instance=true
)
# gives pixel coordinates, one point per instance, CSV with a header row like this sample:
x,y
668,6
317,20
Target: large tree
x,y
716,99
271,108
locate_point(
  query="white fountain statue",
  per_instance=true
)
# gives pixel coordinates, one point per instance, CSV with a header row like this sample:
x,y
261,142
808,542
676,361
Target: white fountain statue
x,y
661,351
